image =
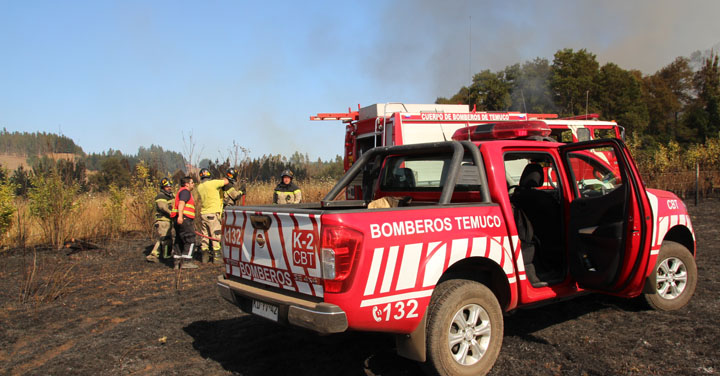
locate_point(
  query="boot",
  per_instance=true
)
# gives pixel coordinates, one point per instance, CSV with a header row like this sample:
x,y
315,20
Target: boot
x,y
217,257
152,258
205,256
188,265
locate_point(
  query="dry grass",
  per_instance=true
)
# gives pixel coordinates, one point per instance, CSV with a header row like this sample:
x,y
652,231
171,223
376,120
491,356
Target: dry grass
x,y
90,219
312,191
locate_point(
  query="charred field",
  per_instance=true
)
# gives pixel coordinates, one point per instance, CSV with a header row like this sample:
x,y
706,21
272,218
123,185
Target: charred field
x,y
108,311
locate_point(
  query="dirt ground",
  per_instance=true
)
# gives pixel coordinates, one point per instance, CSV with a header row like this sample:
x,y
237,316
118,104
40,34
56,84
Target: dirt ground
x,y
107,311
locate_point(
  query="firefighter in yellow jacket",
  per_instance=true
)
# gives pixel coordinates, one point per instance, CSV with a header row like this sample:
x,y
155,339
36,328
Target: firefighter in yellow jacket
x,y
286,192
211,205
162,227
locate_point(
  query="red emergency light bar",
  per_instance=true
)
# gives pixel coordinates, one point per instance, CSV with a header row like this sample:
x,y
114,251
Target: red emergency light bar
x,y
502,131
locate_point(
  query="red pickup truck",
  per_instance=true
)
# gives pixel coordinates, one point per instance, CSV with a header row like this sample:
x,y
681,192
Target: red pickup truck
x,y
451,235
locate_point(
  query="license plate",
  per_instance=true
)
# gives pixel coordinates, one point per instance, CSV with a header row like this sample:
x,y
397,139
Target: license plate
x,y
265,310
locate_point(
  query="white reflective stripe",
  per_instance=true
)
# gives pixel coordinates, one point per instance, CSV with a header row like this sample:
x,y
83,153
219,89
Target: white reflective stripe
x,y
374,270
393,298
654,207
409,267
662,228
318,290
303,287
479,246
458,250
389,269
496,249
512,280
673,221
654,252
434,266
507,263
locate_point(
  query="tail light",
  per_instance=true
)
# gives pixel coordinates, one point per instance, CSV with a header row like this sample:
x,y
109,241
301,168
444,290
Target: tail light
x,y
340,246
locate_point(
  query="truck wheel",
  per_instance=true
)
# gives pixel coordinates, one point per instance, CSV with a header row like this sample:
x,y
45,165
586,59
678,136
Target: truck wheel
x,y
465,329
672,283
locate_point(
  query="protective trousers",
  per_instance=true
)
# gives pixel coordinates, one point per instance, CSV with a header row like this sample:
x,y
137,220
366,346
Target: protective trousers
x,y
163,239
184,240
211,228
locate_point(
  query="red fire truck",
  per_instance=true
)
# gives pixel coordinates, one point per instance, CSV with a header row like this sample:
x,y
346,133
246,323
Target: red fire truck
x,y
446,240
392,124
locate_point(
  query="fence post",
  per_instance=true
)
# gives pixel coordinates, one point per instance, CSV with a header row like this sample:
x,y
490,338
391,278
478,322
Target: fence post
x,y
697,181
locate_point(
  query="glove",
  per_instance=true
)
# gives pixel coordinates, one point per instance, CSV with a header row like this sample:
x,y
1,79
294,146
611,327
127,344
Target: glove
x,y
242,190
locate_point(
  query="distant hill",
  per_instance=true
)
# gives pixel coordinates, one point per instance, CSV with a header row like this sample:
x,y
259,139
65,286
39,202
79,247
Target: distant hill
x,y
25,149
37,143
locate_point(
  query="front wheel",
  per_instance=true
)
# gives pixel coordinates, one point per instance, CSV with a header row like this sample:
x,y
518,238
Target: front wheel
x,y
672,283
465,329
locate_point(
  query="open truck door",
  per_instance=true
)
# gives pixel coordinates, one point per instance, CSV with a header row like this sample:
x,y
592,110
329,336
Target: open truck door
x,y
608,240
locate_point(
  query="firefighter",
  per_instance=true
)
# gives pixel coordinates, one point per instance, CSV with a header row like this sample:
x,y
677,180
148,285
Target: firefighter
x,y
183,213
211,205
286,192
231,195
162,227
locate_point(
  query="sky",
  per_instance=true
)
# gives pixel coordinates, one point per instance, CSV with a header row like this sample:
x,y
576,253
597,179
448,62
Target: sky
x,y
174,73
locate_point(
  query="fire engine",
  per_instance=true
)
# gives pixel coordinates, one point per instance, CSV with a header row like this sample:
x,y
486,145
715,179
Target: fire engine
x,y
393,124
446,240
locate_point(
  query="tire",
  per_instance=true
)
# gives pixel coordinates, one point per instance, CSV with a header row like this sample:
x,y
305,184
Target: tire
x,y
673,281
462,306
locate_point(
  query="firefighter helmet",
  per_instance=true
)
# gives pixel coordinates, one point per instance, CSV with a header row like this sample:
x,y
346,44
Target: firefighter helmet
x,y
287,173
232,174
204,174
165,182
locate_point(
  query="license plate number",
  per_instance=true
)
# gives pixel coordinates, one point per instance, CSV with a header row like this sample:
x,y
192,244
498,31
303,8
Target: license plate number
x,y
265,310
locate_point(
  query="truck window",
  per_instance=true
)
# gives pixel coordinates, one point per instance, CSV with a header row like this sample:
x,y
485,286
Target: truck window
x,y
562,135
595,172
426,174
599,133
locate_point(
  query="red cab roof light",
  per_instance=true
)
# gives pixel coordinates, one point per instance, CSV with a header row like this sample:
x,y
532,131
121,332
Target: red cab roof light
x,y
502,131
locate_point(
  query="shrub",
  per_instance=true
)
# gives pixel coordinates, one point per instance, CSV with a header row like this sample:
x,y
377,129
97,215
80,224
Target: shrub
x,y
7,207
52,203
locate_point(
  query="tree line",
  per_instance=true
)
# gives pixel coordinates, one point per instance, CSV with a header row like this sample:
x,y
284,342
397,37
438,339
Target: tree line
x,y
680,102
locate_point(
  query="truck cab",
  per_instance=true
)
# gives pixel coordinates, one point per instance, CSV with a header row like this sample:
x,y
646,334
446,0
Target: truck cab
x,y
450,235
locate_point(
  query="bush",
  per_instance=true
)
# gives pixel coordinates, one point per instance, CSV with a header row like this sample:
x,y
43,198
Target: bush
x,y
52,203
113,211
7,207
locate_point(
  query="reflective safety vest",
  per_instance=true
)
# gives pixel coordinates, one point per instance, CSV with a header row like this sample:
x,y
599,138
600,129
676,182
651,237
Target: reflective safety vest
x,y
163,206
287,194
189,210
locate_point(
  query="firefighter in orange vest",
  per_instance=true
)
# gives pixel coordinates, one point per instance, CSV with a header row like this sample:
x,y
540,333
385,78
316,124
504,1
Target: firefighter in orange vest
x,y
183,214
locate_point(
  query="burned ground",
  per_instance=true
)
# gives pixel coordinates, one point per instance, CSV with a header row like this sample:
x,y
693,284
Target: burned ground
x,y
107,311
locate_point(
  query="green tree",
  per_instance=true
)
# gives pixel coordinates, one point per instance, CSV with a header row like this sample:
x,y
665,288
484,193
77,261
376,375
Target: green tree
x,y
666,94
620,97
573,78
490,91
707,86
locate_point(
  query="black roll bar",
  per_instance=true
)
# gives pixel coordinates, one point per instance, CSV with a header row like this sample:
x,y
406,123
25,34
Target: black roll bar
x,y
456,147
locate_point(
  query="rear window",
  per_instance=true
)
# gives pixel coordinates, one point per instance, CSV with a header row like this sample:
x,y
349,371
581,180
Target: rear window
x,y
426,174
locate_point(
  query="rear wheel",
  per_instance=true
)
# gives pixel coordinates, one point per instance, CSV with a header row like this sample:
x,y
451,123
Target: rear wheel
x,y
672,283
465,329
